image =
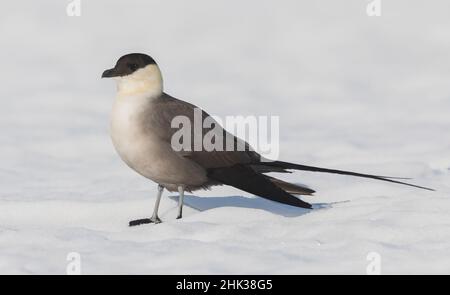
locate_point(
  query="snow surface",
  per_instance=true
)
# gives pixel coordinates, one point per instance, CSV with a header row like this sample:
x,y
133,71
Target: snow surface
x,y
369,94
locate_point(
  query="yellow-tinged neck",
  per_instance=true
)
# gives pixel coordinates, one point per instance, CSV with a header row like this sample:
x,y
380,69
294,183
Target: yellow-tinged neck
x,y
143,82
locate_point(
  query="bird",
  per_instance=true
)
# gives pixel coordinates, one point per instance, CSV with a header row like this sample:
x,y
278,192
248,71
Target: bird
x,y
141,129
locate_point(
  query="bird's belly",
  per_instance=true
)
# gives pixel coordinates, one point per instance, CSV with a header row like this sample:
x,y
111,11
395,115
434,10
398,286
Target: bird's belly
x,y
148,155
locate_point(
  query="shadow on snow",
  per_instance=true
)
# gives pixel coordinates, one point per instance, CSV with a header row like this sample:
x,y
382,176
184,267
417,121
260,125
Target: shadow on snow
x,y
206,203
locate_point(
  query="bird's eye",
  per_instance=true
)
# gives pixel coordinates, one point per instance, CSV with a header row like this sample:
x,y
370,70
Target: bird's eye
x,y
133,67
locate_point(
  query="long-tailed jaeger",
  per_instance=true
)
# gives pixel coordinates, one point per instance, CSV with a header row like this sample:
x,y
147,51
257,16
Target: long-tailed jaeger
x,y
141,131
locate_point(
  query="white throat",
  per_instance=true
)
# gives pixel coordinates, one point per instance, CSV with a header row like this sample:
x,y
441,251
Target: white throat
x,y
143,82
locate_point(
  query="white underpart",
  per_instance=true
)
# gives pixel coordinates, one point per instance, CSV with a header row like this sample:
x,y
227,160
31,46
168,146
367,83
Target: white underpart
x,y
134,95
137,144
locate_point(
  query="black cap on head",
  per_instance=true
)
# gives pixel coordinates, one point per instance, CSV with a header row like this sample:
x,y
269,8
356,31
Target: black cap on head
x,y
128,64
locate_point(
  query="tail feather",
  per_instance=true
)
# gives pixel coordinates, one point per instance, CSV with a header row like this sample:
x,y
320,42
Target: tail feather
x,y
287,165
247,179
291,188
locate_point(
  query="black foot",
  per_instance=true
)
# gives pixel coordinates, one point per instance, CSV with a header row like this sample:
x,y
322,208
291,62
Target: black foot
x,y
179,217
144,221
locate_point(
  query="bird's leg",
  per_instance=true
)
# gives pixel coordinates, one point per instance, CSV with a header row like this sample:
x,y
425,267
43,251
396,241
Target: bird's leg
x,y
180,201
154,218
